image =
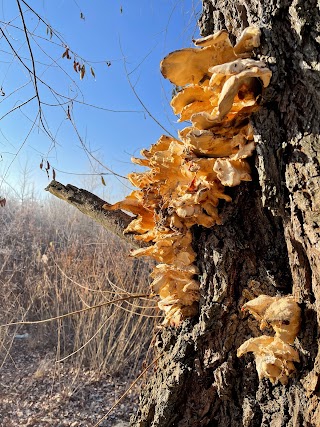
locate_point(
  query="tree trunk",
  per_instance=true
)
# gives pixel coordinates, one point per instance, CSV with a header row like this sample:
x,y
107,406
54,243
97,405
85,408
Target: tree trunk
x,y
268,244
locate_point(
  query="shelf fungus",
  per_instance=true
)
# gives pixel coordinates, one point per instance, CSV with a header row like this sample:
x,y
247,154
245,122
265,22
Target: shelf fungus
x,y
274,355
186,176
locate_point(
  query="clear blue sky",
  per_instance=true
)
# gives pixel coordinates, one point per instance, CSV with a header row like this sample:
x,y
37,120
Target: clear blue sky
x,y
141,32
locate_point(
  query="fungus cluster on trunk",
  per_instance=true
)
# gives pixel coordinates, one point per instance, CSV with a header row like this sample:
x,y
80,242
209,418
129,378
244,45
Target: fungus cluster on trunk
x,y
274,355
186,177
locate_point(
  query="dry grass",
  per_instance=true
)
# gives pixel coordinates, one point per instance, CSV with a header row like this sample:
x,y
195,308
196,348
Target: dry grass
x,y
53,260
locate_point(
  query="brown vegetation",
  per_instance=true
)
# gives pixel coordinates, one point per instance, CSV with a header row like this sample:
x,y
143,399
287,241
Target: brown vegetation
x,y
55,261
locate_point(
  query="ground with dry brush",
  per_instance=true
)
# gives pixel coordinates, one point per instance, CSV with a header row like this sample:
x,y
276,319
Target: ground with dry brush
x,y
55,261
34,391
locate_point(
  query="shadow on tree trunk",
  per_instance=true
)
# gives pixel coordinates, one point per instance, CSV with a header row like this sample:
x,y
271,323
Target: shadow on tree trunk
x,y
268,244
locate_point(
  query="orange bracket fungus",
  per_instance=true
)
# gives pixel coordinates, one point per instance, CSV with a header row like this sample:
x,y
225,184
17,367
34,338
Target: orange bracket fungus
x,y
186,177
274,355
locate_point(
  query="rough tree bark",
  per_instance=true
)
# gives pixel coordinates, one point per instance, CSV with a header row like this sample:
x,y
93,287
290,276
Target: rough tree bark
x,y
269,243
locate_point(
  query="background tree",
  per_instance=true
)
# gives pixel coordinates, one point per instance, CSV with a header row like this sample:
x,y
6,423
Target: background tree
x,y
66,72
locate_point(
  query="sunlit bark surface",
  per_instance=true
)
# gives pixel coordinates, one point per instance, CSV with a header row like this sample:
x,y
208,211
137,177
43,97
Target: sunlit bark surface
x,y
268,244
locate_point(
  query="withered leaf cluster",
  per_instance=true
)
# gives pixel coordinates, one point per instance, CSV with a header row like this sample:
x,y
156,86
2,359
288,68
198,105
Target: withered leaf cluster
x,y
186,177
274,355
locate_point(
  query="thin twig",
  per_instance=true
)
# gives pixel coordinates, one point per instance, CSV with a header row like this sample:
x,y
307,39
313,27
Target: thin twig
x,y
138,97
19,150
127,391
17,107
89,340
63,316
35,78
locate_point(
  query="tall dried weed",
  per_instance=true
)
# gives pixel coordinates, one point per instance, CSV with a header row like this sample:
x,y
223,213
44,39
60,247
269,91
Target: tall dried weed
x,y
54,260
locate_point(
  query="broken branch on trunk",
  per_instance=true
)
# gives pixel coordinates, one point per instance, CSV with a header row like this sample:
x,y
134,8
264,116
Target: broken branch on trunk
x,y
92,206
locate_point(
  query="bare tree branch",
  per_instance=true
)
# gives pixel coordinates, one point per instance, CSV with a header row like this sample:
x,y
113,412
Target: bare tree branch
x,y
91,205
